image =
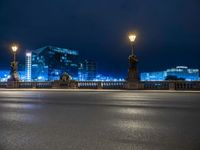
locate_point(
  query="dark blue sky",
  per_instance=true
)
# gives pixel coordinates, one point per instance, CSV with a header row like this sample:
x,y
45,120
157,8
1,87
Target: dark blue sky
x,y
168,30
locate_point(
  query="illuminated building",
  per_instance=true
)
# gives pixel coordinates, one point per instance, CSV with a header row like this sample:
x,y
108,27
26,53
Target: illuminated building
x,y
49,62
28,60
184,73
100,77
153,76
5,75
89,70
181,72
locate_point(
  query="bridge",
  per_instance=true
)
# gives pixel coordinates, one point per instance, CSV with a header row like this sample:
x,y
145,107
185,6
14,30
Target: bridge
x,y
143,85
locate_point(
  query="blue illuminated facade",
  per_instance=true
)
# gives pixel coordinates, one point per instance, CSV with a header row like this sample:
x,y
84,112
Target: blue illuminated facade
x,y
184,73
49,62
153,76
87,70
181,72
5,75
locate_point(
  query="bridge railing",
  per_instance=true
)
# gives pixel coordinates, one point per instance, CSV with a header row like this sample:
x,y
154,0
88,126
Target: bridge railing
x,y
156,85
144,85
35,84
101,84
3,84
188,85
171,85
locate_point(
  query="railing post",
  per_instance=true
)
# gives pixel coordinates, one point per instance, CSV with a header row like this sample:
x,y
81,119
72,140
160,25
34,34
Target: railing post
x,y
33,84
172,86
99,85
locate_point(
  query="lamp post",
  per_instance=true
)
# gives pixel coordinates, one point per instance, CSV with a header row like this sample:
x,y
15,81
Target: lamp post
x,y
13,73
132,38
14,49
132,78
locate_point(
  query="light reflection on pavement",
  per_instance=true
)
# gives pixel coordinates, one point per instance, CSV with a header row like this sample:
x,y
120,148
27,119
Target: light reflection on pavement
x,y
100,120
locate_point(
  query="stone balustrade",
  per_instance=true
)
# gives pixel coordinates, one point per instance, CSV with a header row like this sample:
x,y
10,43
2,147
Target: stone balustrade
x,y
144,85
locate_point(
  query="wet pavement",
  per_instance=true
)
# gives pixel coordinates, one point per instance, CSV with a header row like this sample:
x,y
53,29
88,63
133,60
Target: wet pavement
x,y
99,120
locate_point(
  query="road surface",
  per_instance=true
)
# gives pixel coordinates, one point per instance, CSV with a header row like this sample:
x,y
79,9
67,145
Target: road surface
x,y
99,120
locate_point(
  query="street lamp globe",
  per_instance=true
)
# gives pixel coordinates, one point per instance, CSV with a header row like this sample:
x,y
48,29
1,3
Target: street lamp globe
x,y
132,37
14,48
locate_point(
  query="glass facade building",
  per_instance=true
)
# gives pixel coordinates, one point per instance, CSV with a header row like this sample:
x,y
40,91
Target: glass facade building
x,y
181,72
184,72
153,76
87,70
49,63
28,66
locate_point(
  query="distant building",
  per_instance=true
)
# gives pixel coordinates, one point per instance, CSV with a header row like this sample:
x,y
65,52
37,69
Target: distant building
x,y
87,70
5,75
28,65
100,77
90,69
182,72
153,76
49,62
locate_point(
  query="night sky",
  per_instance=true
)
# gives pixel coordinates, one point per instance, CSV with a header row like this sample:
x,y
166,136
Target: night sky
x,y
168,31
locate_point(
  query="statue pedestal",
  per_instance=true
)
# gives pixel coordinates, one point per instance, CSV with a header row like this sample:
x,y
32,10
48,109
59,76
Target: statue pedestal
x,y
132,81
12,84
65,82
133,85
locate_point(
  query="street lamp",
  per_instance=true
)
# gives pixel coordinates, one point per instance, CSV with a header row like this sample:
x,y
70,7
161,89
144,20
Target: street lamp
x,y
14,49
132,38
13,73
132,78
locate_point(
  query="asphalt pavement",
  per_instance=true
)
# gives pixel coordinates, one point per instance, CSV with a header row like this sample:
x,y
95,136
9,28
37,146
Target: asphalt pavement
x,y
99,120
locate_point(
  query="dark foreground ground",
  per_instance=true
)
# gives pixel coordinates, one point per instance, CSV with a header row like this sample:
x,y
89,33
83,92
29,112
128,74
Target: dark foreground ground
x,y
99,120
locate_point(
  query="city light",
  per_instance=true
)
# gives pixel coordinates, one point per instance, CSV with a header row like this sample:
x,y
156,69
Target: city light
x,y
28,66
132,37
28,54
14,48
187,74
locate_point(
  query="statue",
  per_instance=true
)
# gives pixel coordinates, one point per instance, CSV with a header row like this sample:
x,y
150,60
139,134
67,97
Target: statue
x,y
13,74
133,60
132,71
65,77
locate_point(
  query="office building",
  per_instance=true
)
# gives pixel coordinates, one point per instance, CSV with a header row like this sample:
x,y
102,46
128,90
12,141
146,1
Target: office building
x,y
153,76
49,62
87,70
180,72
28,65
183,72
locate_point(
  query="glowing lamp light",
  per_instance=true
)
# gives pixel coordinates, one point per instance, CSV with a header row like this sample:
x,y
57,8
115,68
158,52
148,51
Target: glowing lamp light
x,y
132,37
14,48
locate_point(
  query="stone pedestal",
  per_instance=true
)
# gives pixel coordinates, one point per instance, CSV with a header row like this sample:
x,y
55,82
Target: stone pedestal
x,y
132,81
172,86
65,82
12,84
132,85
